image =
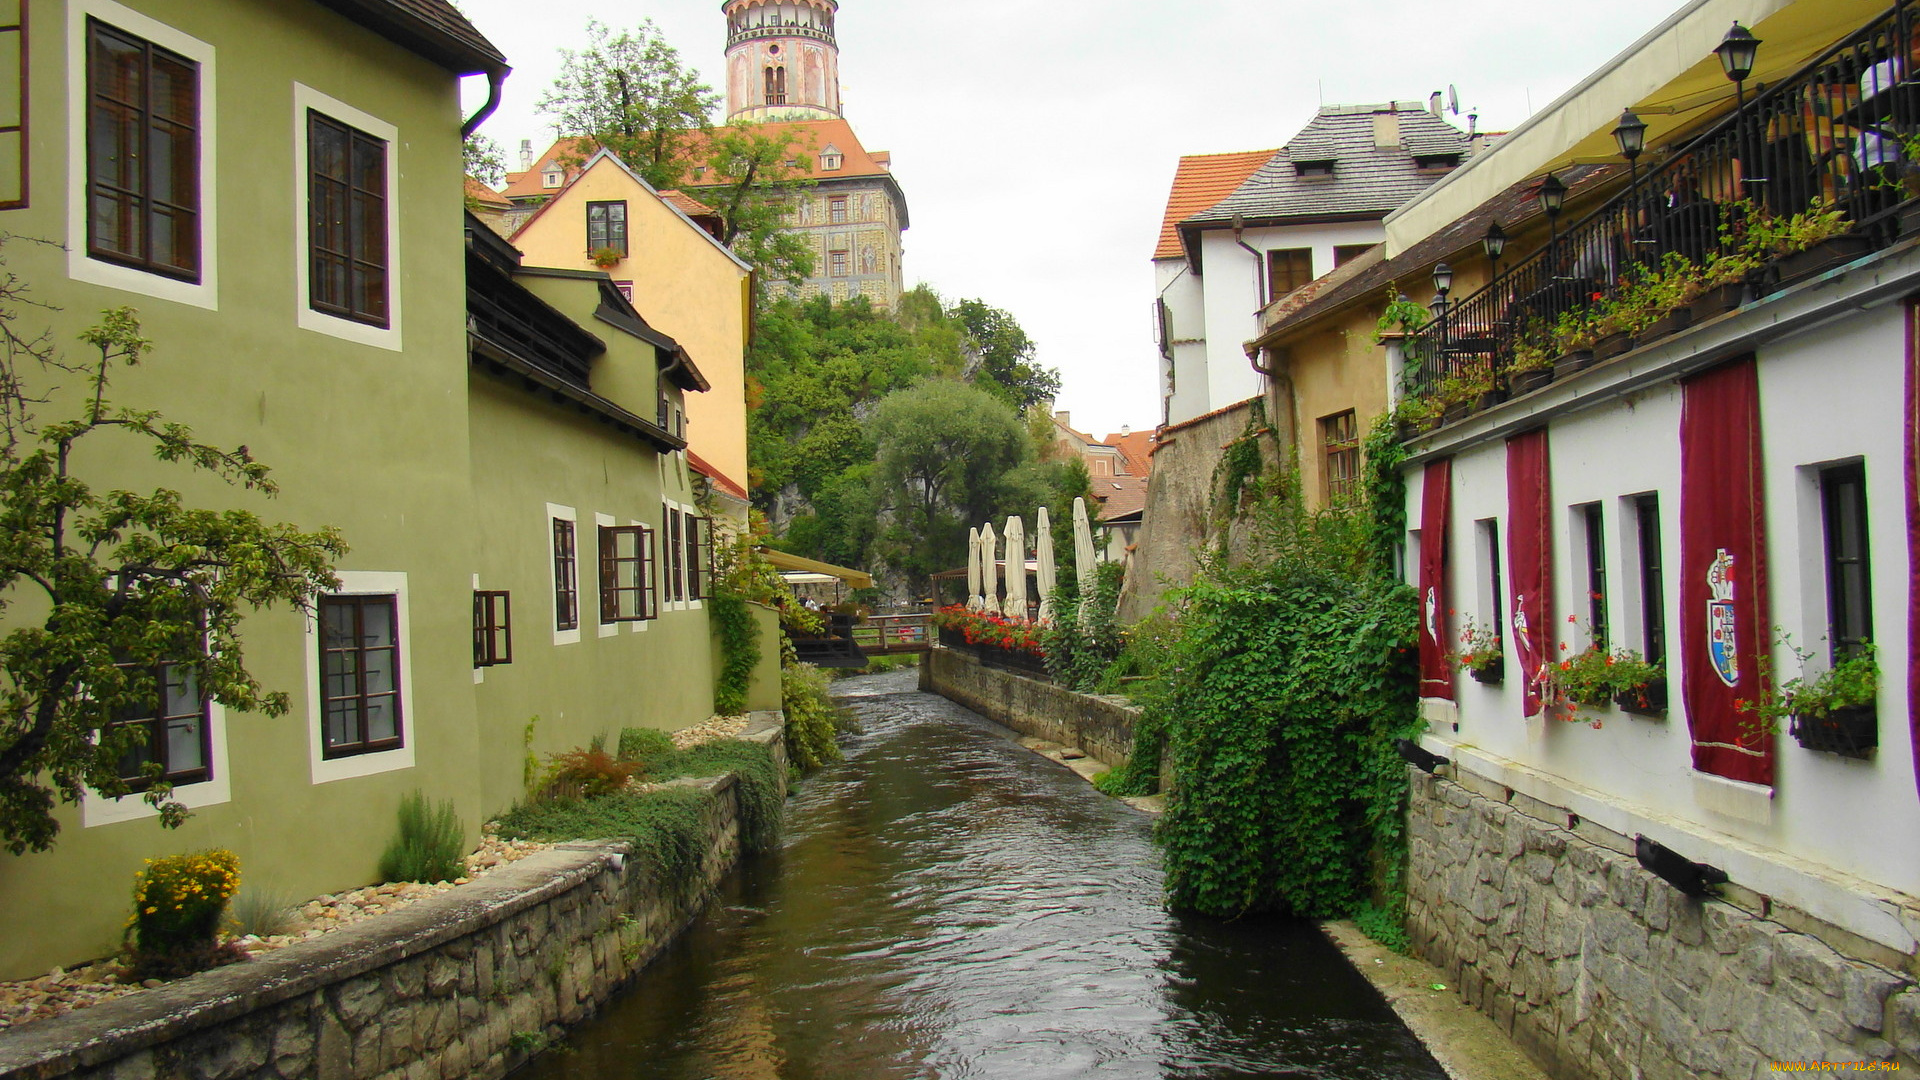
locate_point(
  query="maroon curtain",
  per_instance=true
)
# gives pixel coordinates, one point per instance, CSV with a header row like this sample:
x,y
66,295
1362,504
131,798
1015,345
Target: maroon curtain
x,y
1724,626
1530,561
1436,674
1913,529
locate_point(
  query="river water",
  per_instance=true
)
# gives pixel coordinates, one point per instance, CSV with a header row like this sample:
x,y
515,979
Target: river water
x,y
948,904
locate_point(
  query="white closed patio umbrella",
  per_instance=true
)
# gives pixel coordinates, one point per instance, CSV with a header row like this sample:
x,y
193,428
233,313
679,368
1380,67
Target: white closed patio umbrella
x,y
1043,548
989,570
973,570
1083,555
1016,560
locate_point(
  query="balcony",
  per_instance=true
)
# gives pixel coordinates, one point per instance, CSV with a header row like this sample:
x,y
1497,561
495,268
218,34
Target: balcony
x,y
1815,170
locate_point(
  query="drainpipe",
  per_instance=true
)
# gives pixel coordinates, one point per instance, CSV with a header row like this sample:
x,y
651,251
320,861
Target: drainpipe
x,y
1253,357
1259,259
494,81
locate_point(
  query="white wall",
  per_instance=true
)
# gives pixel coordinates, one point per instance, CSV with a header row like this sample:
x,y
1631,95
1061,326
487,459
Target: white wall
x,y
1233,280
1826,396
1185,387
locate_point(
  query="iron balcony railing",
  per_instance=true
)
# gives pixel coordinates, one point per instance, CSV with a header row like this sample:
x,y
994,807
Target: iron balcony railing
x,y
1843,134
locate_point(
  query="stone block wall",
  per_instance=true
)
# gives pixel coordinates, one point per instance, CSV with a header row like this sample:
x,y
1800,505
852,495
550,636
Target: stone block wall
x,y
467,983
1600,970
1101,726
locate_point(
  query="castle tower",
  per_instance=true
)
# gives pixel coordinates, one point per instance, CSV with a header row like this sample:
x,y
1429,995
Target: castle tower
x,y
782,61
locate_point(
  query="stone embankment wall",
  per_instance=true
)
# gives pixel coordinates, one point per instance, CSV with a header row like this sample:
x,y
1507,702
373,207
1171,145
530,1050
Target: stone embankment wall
x,y
1101,726
1600,970
467,983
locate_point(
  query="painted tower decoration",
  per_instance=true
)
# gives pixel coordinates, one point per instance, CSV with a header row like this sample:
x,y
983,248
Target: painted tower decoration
x,y
783,71
782,61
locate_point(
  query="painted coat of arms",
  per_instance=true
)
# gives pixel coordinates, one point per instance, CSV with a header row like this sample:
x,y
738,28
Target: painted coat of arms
x,y
1722,644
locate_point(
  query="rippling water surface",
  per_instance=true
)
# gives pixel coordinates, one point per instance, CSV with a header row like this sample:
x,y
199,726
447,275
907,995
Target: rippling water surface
x,y
947,904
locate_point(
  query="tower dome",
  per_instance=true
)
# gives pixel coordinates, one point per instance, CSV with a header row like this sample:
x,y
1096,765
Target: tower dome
x,y
782,61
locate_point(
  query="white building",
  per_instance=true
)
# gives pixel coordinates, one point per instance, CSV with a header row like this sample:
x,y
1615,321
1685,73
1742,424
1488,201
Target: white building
x,y
1697,499
1241,230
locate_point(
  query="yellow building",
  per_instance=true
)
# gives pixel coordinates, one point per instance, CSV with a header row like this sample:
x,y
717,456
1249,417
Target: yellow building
x,y
682,281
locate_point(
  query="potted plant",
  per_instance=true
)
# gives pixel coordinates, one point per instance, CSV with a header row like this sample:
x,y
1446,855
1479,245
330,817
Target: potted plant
x,y
1807,243
1480,654
1457,395
1722,283
1665,293
1595,677
1418,415
1574,333
605,258
1833,711
1639,685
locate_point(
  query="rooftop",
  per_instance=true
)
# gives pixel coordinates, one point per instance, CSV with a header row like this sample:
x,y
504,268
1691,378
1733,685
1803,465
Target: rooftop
x,y
1200,181
433,28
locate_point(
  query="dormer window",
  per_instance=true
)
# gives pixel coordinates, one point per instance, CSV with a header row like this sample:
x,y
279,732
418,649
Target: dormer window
x,y
1436,161
551,178
830,158
1313,168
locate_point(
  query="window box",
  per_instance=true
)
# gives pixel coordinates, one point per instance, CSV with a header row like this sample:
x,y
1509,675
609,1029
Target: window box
x,y
1718,300
1823,256
1456,412
1671,323
1526,382
1488,399
1576,361
1850,732
1648,700
1614,344
1491,673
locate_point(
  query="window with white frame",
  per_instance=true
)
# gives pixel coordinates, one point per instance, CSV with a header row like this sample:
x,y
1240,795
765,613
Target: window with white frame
x,y
348,261
626,574
360,675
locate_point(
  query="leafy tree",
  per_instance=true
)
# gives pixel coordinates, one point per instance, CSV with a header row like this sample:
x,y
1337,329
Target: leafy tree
x,y
122,583
1007,367
754,174
484,160
942,451
630,94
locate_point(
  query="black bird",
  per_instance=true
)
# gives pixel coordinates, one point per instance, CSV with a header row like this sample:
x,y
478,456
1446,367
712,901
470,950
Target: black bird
x,y
1692,878
1414,754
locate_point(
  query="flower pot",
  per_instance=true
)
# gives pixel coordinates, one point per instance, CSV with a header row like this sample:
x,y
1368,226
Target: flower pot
x,y
1854,732
1526,382
1671,323
1718,300
1456,412
1577,360
1488,400
1612,345
1648,700
1491,673
1823,256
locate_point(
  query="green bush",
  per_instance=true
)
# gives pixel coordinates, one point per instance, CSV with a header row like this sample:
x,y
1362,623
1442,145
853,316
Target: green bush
x,y
644,744
812,717
178,901
760,807
263,911
429,844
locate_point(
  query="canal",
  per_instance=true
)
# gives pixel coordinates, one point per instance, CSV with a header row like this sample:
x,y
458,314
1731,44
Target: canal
x,y
948,904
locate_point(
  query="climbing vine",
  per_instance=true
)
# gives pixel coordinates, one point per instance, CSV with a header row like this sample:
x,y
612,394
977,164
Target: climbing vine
x,y
1241,465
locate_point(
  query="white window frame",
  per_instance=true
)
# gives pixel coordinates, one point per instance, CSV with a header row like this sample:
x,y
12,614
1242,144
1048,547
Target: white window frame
x,y
97,810
306,98
81,266
564,513
324,770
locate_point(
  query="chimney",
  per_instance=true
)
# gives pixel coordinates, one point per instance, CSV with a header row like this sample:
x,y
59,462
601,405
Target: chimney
x,y
526,154
1126,430
1386,131
1433,103
1063,418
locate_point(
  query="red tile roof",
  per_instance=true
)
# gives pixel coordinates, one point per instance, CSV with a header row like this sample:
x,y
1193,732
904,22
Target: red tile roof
x,y
1136,448
686,203
1120,496
485,195
528,184
1201,181
813,137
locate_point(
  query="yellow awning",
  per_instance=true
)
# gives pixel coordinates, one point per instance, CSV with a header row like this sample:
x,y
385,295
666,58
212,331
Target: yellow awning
x,y
859,579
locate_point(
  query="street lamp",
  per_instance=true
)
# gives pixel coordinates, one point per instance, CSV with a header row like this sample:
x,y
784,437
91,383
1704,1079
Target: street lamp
x,y
1442,280
1494,242
1553,197
1738,51
1631,136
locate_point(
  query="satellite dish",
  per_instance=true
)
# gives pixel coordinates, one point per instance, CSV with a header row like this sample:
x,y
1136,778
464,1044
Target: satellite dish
x,y
1453,99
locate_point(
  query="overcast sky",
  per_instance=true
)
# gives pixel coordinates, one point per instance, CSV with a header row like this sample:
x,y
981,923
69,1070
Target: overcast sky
x,y
1036,141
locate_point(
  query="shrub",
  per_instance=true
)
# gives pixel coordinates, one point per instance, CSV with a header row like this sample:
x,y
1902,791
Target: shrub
x,y
664,827
812,717
429,844
760,810
177,904
644,744
585,772
262,911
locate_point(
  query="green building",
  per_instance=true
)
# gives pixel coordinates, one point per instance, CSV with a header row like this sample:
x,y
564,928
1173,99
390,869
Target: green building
x,y
276,186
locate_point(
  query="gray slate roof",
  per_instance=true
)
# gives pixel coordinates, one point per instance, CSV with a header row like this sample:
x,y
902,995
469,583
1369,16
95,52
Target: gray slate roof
x,y
1366,181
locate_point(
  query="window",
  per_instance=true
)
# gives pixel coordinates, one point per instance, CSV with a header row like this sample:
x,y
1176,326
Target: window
x,y
13,106
607,227
143,154
837,209
626,289
699,536
178,732
776,85
676,564
492,628
347,221
359,674
1340,455
551,178
1287,270
1596,574
1346,253
830,160
626,574
1653,589
566,577
838,263
1493,600
1843,499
